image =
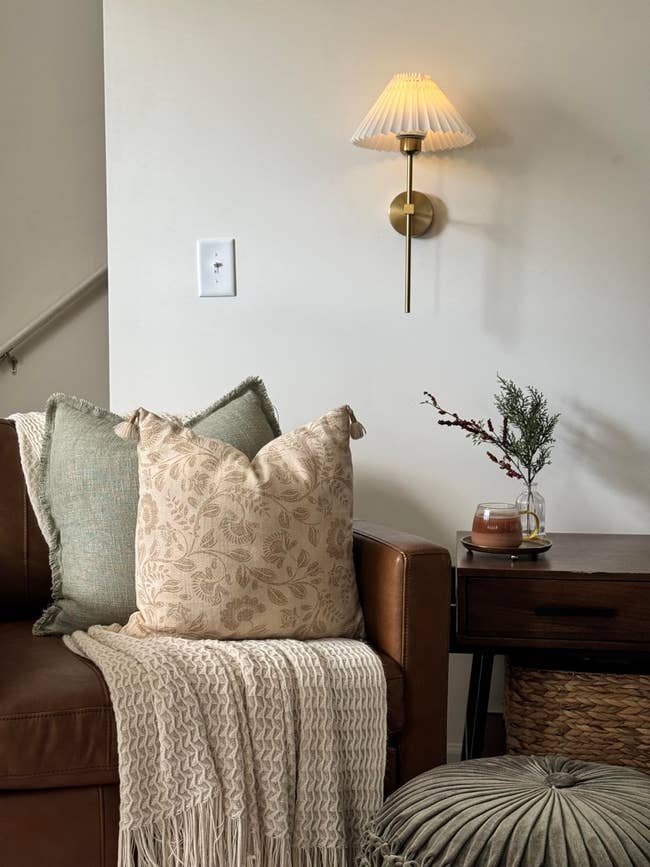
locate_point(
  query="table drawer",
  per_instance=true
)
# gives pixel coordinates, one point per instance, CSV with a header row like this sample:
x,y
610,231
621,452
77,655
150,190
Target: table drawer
x,y
580,610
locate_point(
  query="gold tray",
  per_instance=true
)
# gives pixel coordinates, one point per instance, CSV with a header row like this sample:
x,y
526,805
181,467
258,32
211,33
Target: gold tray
x,y
526,549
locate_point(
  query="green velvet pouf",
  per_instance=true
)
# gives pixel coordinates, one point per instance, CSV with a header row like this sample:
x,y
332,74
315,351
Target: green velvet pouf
x,y
524,811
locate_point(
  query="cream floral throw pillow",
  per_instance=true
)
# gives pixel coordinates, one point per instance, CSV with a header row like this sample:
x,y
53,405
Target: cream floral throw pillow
x,y
228,547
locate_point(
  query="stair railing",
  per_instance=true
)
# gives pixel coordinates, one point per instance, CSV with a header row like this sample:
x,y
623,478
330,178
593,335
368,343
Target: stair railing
x,y
90,284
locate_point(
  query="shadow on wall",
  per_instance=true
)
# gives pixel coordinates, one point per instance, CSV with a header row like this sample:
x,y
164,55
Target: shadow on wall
x,y
440,217
495,167
544,147
620,458
384,502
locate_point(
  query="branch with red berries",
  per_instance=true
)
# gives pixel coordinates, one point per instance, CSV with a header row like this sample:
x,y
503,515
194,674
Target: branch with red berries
x,y
523,437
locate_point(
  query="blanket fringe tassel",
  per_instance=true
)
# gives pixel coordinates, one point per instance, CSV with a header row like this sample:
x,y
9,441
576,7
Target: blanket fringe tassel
x,y
202,837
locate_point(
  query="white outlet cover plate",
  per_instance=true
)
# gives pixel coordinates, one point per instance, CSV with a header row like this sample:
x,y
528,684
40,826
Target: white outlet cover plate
x,y
215,262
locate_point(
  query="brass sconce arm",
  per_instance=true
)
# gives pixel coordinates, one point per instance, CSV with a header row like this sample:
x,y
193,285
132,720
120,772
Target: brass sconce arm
x,y
411,213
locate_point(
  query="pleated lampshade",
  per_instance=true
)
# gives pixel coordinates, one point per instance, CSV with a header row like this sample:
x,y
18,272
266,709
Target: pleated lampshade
x,y
413,104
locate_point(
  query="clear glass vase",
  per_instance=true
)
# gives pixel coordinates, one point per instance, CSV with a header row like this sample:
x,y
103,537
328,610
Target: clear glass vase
x,y
531,500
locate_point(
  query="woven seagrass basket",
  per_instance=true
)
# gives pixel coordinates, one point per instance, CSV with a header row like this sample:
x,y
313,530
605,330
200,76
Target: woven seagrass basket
x,y
594,717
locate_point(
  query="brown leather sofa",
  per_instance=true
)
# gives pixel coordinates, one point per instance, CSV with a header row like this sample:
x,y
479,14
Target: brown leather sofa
x,y
59,793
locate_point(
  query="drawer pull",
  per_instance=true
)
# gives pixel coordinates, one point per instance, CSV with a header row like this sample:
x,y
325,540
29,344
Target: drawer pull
x,y
574,611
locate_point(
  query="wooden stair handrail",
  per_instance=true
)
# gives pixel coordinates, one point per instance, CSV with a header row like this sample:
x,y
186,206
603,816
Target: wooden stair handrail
x,y
95,281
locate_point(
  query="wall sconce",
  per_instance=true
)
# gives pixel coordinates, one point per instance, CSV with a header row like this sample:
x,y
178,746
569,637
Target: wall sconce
x,y
411,115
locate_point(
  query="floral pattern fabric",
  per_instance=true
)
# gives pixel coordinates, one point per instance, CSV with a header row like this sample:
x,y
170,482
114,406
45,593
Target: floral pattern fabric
x,y
228,547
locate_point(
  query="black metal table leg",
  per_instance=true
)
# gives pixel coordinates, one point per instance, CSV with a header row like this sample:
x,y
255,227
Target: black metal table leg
x,y
477,705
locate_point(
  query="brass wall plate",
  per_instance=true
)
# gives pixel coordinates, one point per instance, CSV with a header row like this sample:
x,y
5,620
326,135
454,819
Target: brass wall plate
x,y
421,219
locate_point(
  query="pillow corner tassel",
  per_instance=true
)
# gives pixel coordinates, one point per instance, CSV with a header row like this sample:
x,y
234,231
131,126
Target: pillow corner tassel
x,y
357,430
129,428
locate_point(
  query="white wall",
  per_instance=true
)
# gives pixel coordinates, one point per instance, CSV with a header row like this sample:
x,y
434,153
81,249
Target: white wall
x,y
234,118
53,201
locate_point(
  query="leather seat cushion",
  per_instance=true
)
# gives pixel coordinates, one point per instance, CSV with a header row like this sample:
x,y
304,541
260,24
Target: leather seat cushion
x,y
57,727
56,721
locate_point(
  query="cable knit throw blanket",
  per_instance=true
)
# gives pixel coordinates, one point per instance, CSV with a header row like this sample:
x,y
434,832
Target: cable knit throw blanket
x,y
241,753
30,429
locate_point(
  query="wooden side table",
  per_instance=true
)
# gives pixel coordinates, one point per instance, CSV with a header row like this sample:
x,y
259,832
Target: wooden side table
x,y
587,598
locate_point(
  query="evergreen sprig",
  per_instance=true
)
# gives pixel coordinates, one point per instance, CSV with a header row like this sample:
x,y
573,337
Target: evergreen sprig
x,y
524,435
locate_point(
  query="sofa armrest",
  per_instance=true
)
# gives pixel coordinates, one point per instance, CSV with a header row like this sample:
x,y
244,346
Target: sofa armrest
x,y
405,591
24,566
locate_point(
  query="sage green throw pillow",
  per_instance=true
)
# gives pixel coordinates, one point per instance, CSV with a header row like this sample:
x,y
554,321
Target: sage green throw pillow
x,y
89,497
